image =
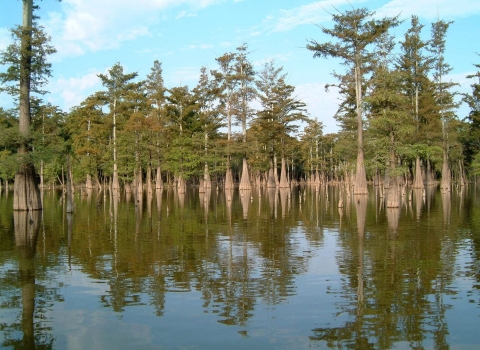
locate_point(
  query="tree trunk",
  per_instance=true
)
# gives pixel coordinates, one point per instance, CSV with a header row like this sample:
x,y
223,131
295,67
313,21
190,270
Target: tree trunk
x,y
180,185
446,176
159,182
245,181
430,179
275,171
228,177
69,208
88,182
115,182
149,180
42,183
461,174
418,181
207,182
360,181
139,183
26,192
271,183
26,195
283,176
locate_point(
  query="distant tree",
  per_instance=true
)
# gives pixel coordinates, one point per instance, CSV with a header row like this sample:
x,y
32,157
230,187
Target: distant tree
x,y
155,89
387,106
245,92
311,141
118,85
209,116
50,141
355,30
444,96
414,64
280,115
225,78
89,135
8,145
182,124
472,134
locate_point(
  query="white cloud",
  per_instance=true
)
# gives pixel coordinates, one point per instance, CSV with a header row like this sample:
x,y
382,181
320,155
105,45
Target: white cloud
x,y
280,57
94,25
315,12
321,104
185,14
430,9
73,91
183,76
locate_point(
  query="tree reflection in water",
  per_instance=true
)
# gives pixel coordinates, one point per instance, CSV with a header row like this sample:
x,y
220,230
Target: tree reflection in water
x,y
34,334
245,259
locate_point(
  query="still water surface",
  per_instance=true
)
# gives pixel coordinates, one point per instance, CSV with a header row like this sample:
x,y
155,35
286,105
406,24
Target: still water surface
x,y
266,270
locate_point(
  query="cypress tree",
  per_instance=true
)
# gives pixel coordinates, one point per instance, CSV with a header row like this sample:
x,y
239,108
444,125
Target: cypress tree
x,y
355,31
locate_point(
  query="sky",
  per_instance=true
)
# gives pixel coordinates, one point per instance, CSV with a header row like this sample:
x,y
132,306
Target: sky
x,y
92,35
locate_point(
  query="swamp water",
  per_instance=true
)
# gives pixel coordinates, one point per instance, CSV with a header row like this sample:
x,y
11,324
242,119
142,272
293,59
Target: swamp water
x,y
263,270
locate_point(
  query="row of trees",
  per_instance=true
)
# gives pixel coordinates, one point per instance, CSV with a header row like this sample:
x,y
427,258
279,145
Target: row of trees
x,y
397,118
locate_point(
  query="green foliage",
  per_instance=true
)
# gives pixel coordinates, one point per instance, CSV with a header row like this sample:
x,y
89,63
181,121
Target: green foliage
x,y
471,131
37,49
281,111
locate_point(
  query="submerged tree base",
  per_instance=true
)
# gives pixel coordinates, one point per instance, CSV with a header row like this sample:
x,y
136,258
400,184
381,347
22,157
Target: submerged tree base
x,y
26,194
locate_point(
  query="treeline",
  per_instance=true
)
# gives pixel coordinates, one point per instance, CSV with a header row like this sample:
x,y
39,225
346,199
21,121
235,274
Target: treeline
x,y
397,118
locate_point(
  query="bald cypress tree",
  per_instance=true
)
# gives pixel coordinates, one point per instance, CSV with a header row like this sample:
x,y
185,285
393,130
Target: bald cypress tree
x,y
354,31
444,95
118,84
225,78
27,72
415,64
278,114
155,89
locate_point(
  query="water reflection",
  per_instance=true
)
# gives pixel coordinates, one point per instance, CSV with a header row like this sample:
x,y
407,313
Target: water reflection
x,y
27,226
287,266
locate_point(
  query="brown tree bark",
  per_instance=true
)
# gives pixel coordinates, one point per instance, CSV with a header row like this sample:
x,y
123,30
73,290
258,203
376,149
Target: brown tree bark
x,y
26,191
418,181
245,181
283,176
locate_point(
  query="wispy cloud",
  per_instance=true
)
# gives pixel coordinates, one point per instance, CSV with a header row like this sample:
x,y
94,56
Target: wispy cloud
x,y
321,104
73,91
94,25
430,9
185,14
183,76
283,57
315,12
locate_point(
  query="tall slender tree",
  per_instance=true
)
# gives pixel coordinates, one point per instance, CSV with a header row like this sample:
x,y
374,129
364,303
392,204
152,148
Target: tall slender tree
x,y
280,114
155,87
414,63
27,72
244,74
472,134
444,95
210,119
225,77
118,85
355,31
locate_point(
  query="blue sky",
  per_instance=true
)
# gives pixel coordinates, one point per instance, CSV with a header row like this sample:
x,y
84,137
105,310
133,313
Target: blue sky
x,y
92,35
